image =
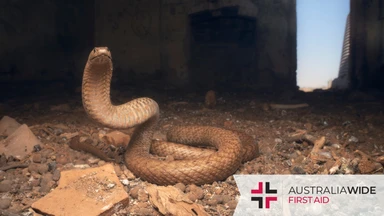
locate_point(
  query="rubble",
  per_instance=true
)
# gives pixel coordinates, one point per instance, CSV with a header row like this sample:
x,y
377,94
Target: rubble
x,y
327,137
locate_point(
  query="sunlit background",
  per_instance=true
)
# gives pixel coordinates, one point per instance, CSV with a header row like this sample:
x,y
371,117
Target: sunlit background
x,y
320,34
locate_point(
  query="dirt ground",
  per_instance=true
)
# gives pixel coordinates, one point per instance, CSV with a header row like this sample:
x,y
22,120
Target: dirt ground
x,y
351,124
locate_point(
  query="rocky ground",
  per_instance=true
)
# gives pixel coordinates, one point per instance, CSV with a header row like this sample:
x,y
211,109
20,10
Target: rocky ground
x,y
334,134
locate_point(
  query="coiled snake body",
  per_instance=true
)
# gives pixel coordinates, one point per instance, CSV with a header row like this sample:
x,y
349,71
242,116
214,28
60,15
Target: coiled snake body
x,y
232,147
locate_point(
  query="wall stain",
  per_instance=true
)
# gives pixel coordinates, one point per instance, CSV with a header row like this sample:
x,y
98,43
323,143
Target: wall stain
x,y
140,19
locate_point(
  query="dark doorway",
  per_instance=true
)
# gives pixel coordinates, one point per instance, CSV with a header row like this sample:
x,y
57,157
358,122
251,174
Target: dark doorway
x,y
222,48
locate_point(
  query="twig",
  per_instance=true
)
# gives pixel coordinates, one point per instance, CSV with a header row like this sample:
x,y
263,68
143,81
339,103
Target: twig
x,y
288,106
13,166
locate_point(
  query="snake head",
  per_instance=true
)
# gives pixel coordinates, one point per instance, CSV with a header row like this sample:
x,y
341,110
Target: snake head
x,y
100,55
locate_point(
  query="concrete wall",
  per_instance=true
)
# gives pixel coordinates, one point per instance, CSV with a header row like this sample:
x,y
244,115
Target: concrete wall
x,y
44,39
26,39
131,30
153,38
367,43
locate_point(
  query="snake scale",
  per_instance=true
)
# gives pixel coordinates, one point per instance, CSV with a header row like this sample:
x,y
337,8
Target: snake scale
x,y
233,147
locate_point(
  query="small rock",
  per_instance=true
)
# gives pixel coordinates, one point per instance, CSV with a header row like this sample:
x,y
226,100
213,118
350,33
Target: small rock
x,y
46,182
56,175
5,203
369,166
34,182
249,168
218,190
5,186
52,166
33,167
134,192
36,158
231,179
380,160
180,186
93,160
301,159
297,170
81,166
216,199
37,148
195,193
226,198
116,138
231,204
278,141
46,187
111,185
142,195
68,166
101,163
193,197
42,168
62,159
129,174
125,182
58,131
353,139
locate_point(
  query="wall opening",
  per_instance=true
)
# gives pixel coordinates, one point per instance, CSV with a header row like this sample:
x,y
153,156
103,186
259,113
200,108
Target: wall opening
x,y
222,48
320,34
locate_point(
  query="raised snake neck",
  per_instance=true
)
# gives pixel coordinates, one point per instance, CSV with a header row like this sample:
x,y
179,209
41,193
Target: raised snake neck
x,y
144,113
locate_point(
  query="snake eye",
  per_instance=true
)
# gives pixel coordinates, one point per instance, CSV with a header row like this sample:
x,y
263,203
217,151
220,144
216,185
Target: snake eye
x,y
94,50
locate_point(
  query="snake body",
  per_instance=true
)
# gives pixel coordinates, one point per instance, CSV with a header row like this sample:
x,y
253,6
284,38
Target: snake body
x,y
233,147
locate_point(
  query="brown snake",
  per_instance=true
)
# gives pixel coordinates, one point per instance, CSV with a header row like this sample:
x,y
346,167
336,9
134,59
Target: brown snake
x,y
233,147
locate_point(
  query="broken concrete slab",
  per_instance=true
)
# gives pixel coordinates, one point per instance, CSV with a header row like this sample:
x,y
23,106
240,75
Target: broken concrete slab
x,y
8,125
92,191
20,143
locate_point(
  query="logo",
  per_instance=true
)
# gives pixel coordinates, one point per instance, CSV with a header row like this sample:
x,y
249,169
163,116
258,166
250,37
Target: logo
x,y
310,194
268,199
